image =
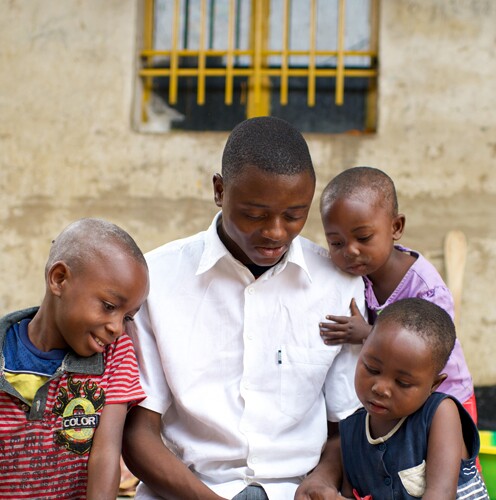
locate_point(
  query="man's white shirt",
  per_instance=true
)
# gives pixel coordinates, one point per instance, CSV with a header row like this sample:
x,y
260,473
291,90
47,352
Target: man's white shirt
x,y
237,366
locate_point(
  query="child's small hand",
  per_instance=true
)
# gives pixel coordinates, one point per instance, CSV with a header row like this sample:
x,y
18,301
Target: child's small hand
x,y
345,329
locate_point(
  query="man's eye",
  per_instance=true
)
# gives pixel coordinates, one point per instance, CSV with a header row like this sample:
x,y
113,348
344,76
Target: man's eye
x,y
108,306
129,318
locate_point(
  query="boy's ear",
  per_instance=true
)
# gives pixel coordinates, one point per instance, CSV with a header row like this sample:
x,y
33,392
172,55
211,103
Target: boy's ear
x,y
438,380
218,183
57,276
398,226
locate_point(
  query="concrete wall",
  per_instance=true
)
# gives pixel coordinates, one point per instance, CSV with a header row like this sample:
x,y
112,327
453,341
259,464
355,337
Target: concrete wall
x,y
68,150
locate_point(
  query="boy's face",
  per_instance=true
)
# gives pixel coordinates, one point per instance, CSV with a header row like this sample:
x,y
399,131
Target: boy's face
x,y
395,375
262,213
95,302
360,235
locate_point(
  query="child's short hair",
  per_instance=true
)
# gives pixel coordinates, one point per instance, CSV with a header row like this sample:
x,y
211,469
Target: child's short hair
x,y
426,320
82,239
268,143
356,182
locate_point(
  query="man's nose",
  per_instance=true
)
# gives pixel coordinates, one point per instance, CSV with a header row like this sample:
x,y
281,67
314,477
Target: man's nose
x,y
274,229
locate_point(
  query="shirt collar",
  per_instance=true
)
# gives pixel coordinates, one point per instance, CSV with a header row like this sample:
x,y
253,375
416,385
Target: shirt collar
x,y
93,365
214,250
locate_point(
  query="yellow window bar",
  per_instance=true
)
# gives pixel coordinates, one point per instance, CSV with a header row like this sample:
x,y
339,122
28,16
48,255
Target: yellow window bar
x,y
258,82
311,54
174,54
202,58
230,53
148,17
285,53
258,72
340,63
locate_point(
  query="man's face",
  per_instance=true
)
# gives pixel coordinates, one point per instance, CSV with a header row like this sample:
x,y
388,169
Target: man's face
x,y
262,213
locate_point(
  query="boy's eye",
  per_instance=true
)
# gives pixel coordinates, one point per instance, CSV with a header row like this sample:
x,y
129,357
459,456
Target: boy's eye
x,y
129,318
371,370
403,384
335,244
363,239
108,306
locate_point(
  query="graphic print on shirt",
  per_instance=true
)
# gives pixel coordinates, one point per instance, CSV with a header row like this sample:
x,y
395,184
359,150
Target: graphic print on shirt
x,y
79,414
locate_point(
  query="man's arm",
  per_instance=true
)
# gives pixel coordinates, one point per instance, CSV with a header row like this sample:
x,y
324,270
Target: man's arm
x,y
104,461
152,462
324,482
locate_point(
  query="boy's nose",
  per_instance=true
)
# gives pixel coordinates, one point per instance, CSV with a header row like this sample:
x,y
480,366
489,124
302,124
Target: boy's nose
x,y
351,250
115,328
381,389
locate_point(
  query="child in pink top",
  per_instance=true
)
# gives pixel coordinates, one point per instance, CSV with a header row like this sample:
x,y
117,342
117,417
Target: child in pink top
x,y
359,210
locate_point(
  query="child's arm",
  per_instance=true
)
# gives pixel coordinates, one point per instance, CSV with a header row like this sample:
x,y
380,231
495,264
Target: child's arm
x,y
104,462
345,329
445,449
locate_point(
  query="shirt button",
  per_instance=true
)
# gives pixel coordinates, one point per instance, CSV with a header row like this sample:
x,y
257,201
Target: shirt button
x,y
251,290
254,460
24,407
387,481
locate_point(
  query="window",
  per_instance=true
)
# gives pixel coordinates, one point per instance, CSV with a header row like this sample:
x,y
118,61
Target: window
x,y
209,64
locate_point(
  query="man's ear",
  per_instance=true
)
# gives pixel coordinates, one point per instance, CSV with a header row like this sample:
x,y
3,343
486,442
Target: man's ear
x,y
57,277
438,381
218,183
398,226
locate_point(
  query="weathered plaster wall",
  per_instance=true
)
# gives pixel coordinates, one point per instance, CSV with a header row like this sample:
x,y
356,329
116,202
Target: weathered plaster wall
x,y
67,148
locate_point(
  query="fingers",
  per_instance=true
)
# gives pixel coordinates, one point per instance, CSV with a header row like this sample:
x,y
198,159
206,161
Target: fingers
x,y
338,319
354,309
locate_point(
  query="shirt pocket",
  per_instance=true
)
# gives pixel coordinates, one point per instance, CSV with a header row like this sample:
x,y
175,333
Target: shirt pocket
x,y
303,373
413,480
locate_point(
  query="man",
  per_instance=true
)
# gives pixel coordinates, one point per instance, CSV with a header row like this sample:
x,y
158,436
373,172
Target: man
x,y
238,380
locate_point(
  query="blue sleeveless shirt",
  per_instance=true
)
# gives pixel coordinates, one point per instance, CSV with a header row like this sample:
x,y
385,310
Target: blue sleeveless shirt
x,y
393,467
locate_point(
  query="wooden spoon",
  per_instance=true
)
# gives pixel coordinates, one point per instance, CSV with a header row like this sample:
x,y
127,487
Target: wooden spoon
x,y
455,256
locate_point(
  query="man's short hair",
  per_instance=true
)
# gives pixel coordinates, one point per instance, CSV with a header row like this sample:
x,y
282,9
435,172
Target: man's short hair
x,y
268,143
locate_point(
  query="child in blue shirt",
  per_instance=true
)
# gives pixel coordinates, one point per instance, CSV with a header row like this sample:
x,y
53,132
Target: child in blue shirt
x,y
409,441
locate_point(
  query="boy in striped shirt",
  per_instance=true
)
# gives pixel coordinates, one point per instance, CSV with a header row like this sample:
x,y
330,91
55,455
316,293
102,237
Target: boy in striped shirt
x,y
68,372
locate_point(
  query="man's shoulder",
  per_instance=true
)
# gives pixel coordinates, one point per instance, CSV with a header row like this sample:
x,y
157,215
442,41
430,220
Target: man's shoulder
x,y
311,248
190,245
320,264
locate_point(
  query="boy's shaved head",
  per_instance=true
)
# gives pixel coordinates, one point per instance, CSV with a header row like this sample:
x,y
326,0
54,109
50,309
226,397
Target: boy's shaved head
x,y
360,183
86,238
425,320
268,143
